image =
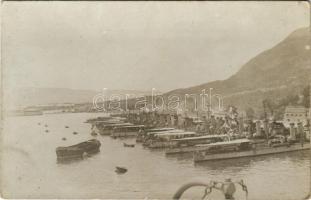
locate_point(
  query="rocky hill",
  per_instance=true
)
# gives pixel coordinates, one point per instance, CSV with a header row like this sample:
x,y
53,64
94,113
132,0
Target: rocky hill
x,y
282,70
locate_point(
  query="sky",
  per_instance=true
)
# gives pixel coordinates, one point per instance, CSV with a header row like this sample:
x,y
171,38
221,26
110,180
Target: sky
x,y
138,45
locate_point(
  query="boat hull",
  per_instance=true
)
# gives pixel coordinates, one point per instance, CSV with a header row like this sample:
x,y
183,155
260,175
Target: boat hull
x,y
77,151
124,134
104,132
183,150
155,145
199,156
190,149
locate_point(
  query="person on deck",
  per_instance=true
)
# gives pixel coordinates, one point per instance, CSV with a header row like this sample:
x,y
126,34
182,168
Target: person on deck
x,y
301,133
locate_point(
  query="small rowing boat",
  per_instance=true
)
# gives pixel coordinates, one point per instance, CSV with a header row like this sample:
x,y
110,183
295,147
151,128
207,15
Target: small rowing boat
x,y
120,170
128,145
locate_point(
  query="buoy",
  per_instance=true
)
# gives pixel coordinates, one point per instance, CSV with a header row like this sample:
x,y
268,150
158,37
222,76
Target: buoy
x,y
66,126
64,138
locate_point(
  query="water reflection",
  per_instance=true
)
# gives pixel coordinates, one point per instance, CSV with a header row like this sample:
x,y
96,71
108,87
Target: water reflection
x,y
248,162
180,156
221,165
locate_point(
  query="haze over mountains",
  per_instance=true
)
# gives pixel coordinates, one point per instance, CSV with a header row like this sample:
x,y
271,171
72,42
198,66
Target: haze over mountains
x,y
41,96
282,70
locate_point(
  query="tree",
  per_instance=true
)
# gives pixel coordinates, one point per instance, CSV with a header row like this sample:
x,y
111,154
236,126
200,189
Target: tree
x,y
306,97
268,106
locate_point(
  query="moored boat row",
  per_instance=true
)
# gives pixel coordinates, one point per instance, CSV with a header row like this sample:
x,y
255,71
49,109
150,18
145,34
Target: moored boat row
x,y
114,126
200,145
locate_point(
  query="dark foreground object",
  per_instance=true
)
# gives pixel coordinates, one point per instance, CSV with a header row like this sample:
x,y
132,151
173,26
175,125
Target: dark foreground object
x,y
78,151
227,188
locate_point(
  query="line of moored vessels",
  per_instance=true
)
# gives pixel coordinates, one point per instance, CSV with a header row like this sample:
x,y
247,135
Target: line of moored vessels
x,y
201,146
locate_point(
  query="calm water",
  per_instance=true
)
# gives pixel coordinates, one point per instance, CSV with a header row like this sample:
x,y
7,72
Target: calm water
x,y
30,169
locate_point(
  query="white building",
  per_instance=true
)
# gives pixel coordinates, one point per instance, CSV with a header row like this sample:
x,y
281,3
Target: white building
x,y
295,114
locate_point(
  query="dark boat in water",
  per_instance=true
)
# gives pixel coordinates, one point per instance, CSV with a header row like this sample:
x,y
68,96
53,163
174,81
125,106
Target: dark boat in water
x,y
77,151
120,170
128,145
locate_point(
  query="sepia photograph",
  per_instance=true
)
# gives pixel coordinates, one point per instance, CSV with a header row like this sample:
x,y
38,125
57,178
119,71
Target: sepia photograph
x,y
206,100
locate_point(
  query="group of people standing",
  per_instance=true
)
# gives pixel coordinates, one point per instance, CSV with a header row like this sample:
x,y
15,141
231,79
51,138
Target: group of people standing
x,y
204,124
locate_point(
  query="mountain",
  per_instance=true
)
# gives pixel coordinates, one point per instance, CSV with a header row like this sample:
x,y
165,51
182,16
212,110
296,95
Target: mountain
x,y
282,70
22,97
275,73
